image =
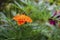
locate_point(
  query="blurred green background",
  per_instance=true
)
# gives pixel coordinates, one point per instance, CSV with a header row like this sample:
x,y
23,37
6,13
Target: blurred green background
x,y
39,10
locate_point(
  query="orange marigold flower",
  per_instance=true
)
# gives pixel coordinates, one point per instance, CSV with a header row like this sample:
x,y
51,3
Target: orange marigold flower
x,y
21,19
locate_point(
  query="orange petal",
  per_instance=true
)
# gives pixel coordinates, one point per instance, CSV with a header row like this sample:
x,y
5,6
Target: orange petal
x,y
20,22
28,19
17,17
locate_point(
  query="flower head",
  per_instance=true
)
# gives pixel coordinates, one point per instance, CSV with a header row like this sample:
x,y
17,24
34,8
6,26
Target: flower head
x,y
21,19
52,22
56,15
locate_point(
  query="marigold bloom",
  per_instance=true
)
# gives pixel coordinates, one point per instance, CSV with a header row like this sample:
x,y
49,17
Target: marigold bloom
x,y
21,19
